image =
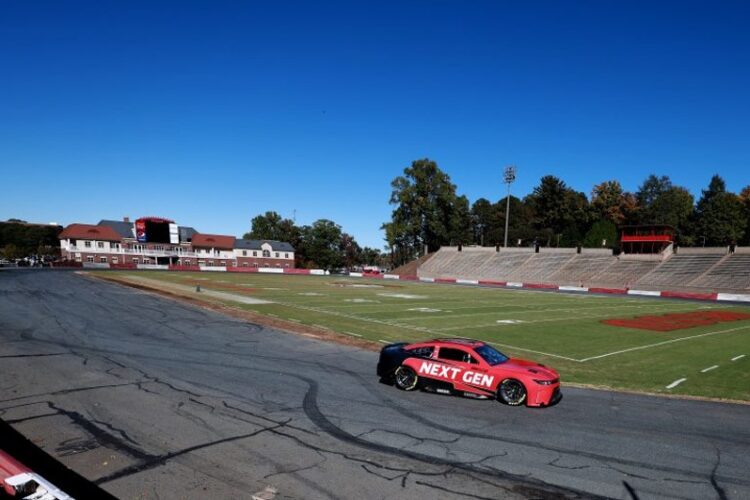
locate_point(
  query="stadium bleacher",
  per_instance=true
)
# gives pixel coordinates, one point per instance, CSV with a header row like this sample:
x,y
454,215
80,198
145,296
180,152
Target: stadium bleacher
x,y
540,267
680,269
710,269
731,272
581,269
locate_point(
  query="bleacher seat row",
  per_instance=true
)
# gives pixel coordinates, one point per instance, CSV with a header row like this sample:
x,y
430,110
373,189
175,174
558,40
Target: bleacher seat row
x,y
717,271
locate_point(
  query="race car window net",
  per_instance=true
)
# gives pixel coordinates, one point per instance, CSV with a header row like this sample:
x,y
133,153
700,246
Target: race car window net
x,y
491,355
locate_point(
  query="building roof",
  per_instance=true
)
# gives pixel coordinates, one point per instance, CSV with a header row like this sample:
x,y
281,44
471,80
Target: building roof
x,y
89,232
186,233
124,229
278,246
213,241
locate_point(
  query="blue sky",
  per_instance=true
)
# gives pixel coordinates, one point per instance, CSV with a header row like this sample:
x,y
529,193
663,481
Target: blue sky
x,y
212,112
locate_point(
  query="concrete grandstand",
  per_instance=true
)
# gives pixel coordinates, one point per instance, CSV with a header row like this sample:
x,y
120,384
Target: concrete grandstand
x,y
719,269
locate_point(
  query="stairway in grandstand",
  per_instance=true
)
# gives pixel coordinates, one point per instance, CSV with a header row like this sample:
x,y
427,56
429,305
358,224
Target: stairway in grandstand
x,y
710,269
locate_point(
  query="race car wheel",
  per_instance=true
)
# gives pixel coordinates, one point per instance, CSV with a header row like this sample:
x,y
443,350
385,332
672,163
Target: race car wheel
x,y
406,378
511,392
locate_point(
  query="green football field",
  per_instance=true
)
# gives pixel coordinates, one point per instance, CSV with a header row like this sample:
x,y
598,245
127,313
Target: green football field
x,y
561,330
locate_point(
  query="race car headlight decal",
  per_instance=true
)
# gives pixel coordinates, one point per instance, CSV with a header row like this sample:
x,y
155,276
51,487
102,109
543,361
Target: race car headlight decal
x,y
544,382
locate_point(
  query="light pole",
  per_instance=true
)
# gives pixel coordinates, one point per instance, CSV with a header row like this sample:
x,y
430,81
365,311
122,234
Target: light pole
x,y
509,175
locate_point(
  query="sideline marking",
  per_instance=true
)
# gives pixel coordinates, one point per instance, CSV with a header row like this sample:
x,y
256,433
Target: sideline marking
x,y
738,357
676,383
664,343
709,368
383,341
352,333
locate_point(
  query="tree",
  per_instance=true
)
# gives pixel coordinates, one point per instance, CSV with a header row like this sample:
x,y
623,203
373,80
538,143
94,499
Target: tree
x,y
28,238
427,212
720,215
321,243
370,257
520,224
559,210
459,225
266,227
603,231
608,201
744,197
350,250
661,202
482,219
651,189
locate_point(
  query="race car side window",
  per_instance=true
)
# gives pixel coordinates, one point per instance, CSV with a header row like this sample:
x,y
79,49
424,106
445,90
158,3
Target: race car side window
x,y
424,352
451,354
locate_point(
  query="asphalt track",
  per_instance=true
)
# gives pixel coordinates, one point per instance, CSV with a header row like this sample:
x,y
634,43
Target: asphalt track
x,y
151,398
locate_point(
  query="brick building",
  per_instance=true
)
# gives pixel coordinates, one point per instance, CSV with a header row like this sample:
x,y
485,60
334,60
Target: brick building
x,y
157,241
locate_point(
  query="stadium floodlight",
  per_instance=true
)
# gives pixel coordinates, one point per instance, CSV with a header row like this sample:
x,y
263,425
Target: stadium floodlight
x,y
509,175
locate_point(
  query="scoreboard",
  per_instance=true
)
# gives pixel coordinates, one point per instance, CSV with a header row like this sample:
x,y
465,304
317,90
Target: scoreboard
x,y
156,230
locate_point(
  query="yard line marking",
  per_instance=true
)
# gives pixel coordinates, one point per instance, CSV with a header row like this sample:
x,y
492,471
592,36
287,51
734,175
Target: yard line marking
x,y
676,383
538,309
709,368
528,322
738,357
664,343
383,341
351,333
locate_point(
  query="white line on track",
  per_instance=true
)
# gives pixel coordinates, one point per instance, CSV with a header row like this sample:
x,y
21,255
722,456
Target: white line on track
x,y
664,343
738,357
353,334
676,383
709,368
383,341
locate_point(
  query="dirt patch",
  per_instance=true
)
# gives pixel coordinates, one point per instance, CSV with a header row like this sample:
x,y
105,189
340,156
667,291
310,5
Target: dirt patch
x,y
258,319
678,321
218,285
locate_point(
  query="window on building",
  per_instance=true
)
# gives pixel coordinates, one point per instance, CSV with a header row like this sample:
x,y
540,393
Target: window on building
x,y
187,262
244,264
115,260
103,260
87,244
286,255
89,259
99,244
266,253
210,263
255,254
277,255
136,261
244,253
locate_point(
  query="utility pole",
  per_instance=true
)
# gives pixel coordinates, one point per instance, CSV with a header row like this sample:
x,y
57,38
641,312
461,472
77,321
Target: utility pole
x,y
509,175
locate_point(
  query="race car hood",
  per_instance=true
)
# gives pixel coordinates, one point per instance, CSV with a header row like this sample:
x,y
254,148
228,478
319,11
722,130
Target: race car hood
x,y
531,368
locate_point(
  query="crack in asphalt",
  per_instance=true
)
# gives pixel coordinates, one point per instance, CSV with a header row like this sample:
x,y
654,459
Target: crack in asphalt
x,y
156,460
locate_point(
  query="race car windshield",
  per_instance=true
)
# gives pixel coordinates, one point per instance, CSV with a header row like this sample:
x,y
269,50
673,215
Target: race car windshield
x,y
491,355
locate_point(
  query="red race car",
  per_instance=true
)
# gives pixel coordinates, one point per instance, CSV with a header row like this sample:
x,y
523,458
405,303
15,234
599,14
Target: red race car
x,y
470,368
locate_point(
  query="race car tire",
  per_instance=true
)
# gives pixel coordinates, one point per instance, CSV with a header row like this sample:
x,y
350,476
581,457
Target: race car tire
x,y
405,378
511,392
